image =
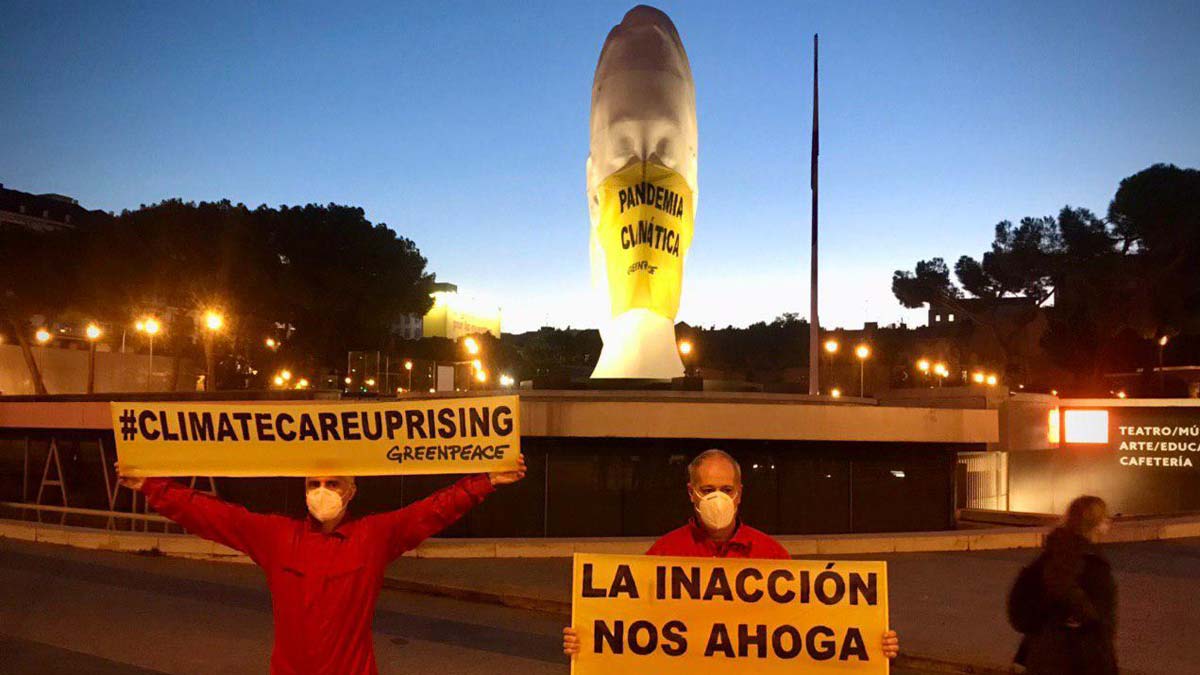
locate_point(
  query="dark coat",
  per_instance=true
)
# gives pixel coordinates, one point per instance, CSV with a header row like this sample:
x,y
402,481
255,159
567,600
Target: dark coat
x,y
1079,609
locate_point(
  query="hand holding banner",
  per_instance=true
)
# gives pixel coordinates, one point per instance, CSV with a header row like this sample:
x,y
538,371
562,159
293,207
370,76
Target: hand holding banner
x,y
684,616
467,435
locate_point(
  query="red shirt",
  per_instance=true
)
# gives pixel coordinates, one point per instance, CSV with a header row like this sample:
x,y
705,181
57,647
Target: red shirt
x,y
691,540
323,587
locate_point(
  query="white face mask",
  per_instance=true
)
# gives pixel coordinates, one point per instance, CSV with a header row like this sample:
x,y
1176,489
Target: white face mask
x,y
716,509
325,504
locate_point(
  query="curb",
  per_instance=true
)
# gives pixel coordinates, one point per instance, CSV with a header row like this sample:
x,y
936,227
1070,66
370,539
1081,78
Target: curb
x,y
1154,529
938,666
555,607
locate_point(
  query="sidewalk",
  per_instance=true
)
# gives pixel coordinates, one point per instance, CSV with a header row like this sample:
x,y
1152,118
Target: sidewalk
x,y
947,606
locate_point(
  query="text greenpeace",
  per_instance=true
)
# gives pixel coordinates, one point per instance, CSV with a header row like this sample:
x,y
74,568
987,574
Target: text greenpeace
x,y
649,614
299,439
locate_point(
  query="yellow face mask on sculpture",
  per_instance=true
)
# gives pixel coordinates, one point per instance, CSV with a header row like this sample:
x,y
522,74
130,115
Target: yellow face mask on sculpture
x,y
645,229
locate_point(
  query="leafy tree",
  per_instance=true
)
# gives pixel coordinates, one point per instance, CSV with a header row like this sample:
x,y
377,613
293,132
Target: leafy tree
x,y
323,275
36,277
1132,275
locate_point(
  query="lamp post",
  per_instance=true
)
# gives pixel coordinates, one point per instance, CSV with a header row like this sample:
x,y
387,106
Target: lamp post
x,y
941,371
213,322
923,366
685,350
1162,344
150,326
831,349
408,368
471,345
93,334
863,352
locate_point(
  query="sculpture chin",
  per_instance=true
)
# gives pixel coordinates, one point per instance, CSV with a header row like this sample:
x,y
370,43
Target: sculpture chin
x,y
639,344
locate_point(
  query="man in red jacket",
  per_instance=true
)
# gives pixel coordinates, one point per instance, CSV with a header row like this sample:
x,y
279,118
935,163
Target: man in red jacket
x,y
715,531
325,572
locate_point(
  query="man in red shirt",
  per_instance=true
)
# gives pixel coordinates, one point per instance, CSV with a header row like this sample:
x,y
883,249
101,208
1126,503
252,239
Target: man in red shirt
x,y
325,572
715,531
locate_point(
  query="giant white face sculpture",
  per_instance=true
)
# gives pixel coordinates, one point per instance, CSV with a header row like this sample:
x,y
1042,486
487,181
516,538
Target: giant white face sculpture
x,y
641,179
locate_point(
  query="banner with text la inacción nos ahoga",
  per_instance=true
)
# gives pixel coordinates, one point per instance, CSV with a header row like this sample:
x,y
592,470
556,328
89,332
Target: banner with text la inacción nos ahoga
x,y
643,615
463,435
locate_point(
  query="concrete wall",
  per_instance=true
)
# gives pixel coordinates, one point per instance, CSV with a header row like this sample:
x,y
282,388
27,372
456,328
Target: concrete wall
x,y
1138,473
65,371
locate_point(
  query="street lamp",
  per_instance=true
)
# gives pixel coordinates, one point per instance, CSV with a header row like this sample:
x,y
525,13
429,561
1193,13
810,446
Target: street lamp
x,y
685,350
481,377
271,343
472,346
42,335
941,371
286,375
978,378
150,326
1162,343
93,333
862,352
408,367
506,380
213,322
835,392
278,381
992,380
831,346
923,367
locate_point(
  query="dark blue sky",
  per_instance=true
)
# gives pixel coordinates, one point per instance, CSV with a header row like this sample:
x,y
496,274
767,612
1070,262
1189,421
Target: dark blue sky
x,y
464,127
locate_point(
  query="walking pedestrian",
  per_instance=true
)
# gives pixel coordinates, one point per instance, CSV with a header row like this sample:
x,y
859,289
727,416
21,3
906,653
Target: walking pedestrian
x,y
1065,601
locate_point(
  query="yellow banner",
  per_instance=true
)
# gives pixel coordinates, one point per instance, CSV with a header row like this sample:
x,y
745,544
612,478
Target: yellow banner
x,y
687,616
646,220
465,435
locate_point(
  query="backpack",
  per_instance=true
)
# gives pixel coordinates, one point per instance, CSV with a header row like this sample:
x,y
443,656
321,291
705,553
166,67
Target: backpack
x,y
1025,606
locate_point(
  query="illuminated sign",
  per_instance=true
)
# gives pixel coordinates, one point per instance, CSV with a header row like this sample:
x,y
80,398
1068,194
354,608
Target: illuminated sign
x,y
1086,426
1152,436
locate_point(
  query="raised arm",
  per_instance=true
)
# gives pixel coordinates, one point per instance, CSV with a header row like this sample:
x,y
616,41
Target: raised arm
x,y
206,516
404,528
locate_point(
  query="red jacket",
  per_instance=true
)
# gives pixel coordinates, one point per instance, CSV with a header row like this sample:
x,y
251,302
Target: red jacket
x,y
323,587
691,540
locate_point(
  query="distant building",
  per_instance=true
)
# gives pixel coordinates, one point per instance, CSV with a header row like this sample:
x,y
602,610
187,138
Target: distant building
x,y
41,213
452,316
410,327
1001,309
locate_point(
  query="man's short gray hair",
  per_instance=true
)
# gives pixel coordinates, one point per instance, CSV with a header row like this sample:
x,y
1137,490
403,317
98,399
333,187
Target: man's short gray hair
x,y
694,466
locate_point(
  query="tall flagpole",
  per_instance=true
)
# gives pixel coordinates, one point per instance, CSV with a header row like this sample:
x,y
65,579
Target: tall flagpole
x,y
814,324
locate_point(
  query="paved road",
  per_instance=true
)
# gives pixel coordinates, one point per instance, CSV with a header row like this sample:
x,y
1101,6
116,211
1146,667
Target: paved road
x,y
69,611
64,610
946,606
